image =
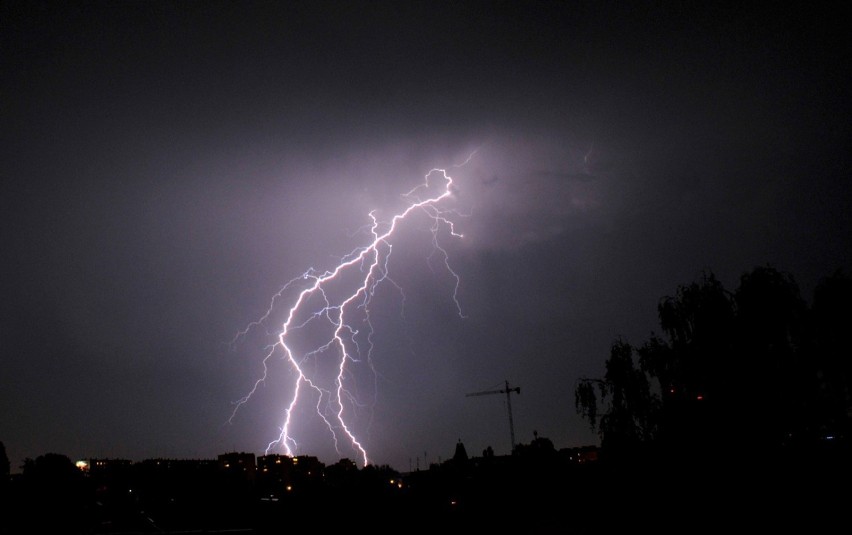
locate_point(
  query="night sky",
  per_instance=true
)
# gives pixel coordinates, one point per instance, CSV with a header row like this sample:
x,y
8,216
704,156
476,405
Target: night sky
x,y
167,167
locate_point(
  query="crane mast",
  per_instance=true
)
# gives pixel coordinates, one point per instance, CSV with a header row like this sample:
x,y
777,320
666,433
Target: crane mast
x,y
508,391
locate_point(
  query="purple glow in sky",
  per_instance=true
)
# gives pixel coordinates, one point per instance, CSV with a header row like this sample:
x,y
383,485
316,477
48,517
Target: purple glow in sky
x,y
166,168
341,299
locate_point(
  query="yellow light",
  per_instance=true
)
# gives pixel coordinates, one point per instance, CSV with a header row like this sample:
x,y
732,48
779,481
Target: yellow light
x,y
289,488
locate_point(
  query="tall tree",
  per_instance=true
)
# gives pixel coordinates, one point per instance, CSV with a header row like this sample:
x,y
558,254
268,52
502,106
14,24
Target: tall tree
x,y
772,375
629,405
832,324
4,463
693,361
4,472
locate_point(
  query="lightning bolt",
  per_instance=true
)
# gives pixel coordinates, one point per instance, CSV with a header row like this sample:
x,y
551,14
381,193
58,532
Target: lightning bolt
x,y
321,301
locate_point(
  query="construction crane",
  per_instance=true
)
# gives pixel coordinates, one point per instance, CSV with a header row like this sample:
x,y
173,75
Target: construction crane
x,y
508,391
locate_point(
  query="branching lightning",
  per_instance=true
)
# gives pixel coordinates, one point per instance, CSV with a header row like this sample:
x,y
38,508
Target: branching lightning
x,y
322,301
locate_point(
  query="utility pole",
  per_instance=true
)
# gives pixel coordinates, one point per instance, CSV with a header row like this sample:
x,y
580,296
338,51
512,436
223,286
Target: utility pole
x,y
508,391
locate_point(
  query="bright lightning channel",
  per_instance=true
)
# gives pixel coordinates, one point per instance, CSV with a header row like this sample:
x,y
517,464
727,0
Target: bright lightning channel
x,y
369,267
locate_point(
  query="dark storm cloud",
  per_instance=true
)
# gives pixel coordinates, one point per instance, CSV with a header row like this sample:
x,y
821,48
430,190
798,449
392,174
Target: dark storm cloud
x,y
167,167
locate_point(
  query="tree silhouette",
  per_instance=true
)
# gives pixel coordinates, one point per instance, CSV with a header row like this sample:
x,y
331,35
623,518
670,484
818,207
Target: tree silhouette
x,y
832,324
4,464
4,476
630,406
692,363
772,381
55,493
755,364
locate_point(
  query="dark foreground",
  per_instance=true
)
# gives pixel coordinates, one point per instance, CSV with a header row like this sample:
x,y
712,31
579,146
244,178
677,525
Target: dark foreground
x,y
807,490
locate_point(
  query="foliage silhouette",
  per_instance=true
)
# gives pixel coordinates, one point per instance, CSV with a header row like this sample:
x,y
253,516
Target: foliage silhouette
x,y
757,365
4,464
55,495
